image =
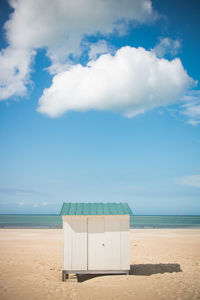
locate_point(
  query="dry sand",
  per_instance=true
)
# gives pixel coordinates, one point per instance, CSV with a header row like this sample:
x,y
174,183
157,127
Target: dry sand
x,y
165,265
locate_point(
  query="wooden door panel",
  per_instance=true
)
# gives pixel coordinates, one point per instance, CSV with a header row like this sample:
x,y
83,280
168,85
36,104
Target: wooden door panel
x,y
96,244
112,243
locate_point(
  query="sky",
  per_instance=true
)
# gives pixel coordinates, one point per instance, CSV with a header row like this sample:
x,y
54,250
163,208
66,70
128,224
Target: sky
x,y
100,102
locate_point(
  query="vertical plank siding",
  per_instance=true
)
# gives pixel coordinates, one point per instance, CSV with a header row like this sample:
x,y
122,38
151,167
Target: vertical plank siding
x,y
125,243
75,243
96,242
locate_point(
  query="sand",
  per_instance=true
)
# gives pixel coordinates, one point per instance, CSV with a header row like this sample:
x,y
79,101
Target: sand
x,y
165,265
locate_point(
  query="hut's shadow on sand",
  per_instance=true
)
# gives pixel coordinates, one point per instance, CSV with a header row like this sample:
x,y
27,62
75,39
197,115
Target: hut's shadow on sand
x,y
150,269
139,270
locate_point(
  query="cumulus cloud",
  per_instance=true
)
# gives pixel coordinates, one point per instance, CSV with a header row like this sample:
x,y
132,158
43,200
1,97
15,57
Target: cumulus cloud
x,y
15,68
166,46
59,27
130,82
191,180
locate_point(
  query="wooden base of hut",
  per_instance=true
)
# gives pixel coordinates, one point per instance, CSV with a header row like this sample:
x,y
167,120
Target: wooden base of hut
x,y
65,274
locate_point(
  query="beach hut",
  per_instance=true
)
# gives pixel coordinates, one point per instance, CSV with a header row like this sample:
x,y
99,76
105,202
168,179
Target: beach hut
x,y
95,238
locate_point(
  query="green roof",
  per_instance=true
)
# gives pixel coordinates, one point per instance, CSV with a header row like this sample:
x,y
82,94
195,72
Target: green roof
x,y
86,209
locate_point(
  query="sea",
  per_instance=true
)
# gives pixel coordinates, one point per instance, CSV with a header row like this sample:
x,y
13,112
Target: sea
x,y
55,221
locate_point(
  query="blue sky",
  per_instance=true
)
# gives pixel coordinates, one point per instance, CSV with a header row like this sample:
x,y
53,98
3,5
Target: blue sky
x,y
100,102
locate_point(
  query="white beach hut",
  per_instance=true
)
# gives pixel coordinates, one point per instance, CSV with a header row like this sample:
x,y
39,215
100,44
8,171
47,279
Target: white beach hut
x,y
95,238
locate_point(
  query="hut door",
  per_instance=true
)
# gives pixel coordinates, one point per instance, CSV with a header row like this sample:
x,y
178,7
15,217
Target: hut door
x,y
96,243
112,243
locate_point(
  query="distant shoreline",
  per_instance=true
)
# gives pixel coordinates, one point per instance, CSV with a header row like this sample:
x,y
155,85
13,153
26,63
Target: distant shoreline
x,y
55,221
58,215
60,227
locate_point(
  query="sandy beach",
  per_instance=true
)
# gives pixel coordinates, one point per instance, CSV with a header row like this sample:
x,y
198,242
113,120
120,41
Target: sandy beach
x,y
165,264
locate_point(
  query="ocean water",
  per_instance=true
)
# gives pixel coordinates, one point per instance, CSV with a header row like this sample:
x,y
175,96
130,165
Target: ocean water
x,y
165,221
55,221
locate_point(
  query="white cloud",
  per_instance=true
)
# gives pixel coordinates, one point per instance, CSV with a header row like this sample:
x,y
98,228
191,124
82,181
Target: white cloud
x,y
166,46
193,112
15,68
40,23
101,47
21,203
22,192
59,26
44,203
191,180
191,107
130,82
